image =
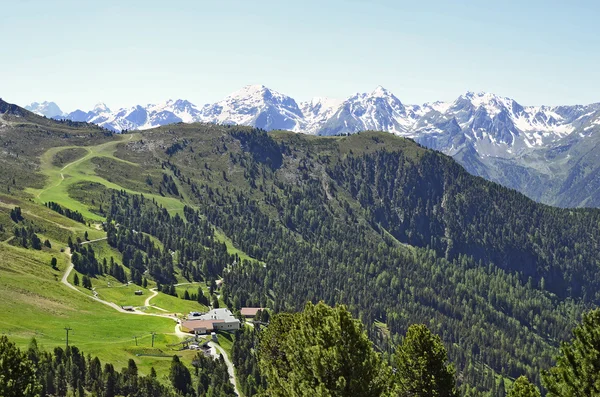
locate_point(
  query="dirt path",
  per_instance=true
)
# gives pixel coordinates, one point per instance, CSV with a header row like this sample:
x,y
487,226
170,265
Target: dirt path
x,y
90,153
62,177
215,350
154,293
65,281
148,304
180,333
93,241
29,213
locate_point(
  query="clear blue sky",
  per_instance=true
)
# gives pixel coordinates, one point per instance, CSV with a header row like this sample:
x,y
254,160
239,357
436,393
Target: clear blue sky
x,y
78,53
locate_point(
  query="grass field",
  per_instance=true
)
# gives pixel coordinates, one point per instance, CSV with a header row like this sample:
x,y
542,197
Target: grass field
x,y
178,305
220,236
35,304
83,170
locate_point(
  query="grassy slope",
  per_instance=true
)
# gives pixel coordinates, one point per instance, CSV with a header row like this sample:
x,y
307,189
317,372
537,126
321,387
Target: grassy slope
x,y
32,298
82,169
35,304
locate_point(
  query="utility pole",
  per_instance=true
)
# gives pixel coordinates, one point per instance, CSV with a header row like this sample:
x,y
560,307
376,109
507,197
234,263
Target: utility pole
x,y
135,340
68,329
154,333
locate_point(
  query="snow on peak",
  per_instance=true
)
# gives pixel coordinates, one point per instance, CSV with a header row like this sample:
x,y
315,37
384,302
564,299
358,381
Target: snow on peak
x,y
258,106
101,108
48,109
317,111
255,90
484,117
321,103
381,92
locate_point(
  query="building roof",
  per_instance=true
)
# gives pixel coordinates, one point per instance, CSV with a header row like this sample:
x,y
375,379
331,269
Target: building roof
x,y
218,314
195,324
250,311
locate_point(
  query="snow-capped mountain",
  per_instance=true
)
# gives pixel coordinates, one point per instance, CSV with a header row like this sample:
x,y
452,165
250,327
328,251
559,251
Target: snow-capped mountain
x,y
316,112
490,135
258,106
139,117
48,109
502,123
496,126
377,110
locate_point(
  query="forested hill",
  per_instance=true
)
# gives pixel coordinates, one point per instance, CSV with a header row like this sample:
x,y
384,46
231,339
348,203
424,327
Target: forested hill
x,y
399,233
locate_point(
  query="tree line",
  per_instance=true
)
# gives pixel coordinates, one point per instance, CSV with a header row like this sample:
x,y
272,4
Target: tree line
x,y
69,372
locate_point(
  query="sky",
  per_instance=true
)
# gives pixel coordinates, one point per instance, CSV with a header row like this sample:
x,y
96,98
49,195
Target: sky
x,y
123,53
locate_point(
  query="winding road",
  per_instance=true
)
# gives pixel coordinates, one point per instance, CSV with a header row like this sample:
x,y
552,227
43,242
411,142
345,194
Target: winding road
x,y
215,350
148,304
65,281
93,241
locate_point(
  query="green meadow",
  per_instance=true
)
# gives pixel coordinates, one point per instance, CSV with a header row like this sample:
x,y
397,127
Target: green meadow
x,y
82,169
36,304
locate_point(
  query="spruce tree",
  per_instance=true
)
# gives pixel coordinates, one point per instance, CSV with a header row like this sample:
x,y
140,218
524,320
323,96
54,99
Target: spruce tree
x,y
321,351
421,365
524,388
180,376
17,374
577,370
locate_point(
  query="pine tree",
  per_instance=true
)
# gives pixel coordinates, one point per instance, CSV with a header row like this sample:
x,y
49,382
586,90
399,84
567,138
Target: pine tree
x,y
76,279
421,365
577,370
524,388
321,351
180,376
17,374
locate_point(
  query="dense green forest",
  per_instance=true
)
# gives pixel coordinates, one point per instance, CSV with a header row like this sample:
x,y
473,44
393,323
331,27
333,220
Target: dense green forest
x,y
320,351
399,234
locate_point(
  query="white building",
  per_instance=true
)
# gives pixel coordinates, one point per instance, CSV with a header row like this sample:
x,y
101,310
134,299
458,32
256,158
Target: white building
x,y
221,319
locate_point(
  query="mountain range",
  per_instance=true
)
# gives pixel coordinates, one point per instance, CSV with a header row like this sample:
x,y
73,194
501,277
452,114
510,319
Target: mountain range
x,y
546,152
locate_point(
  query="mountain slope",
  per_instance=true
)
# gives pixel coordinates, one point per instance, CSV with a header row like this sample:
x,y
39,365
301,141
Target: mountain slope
x,y
255,105
399,233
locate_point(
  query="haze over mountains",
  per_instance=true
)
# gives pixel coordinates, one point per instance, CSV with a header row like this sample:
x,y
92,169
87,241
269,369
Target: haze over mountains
x,y
544,151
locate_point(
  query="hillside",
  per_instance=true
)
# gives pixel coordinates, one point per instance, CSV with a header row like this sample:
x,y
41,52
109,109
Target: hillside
x,y
399,233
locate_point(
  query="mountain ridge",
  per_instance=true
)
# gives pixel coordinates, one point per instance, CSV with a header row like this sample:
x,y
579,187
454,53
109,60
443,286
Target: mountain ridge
x,y
490,135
